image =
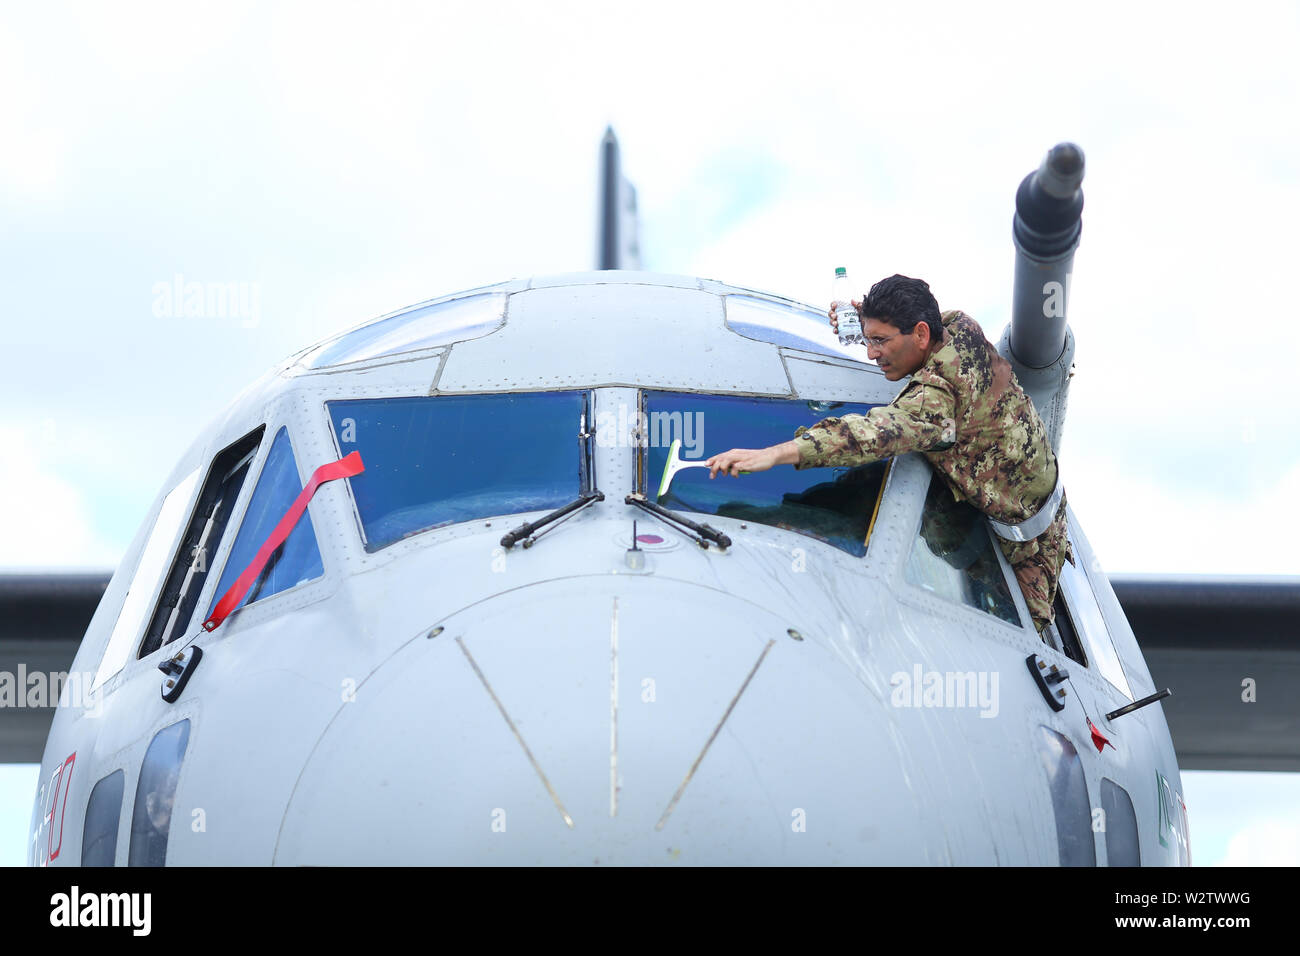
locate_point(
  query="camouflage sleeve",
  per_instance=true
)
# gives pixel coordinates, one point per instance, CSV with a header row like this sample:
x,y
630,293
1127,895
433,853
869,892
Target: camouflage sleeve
x,y
920,419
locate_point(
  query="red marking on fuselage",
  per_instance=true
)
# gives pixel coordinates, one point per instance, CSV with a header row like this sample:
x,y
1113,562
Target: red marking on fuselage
x,y
64,779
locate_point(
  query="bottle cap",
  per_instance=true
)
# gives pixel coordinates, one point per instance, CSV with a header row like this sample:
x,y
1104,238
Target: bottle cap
x,y
841,271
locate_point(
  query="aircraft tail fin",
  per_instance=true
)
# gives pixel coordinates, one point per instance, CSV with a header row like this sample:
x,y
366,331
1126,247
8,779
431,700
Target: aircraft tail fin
x,y
619,243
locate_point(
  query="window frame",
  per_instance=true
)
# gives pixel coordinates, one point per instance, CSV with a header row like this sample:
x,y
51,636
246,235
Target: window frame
x,y
132,617
117,819
1120,841
641,480
1087,638
407,352
161,630
1025,619
211,595
170,782
585,464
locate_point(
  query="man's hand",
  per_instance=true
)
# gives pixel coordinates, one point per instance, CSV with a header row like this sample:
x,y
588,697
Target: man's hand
x,y
749,459
835,323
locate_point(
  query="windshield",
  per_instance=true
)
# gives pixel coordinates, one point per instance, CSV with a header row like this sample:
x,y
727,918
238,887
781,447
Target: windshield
x,y
439,460
834,505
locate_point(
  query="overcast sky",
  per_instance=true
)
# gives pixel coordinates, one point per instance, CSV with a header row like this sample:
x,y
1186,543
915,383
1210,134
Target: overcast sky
x,y
336,162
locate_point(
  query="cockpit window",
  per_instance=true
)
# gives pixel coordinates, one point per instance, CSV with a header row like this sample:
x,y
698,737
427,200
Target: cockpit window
x,y
207,531
99,832
421,328
788,325
834,505
953,556
444,459
297,560
1088,622
148,571
155,795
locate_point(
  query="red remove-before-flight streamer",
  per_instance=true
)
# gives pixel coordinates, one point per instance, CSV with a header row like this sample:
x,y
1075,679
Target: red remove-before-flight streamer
x,y
343,468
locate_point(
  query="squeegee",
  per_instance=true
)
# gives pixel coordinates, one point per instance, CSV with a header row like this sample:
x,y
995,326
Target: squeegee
x,y
675,464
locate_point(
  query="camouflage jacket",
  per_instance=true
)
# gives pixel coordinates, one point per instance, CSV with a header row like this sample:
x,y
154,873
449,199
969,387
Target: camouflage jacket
x,y
965,411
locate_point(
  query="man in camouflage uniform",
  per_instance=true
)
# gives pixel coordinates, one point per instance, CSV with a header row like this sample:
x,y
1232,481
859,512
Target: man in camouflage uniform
x,y
965,411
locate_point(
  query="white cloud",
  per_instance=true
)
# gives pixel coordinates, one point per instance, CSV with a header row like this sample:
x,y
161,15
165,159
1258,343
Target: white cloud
x,y
29,166
1136,524
45,521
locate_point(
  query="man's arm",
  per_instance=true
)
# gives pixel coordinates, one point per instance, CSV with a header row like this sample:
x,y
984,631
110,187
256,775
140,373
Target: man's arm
x,y
750,459
921,419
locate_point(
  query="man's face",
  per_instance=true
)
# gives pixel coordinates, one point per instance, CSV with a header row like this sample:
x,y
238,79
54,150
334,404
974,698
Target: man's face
x,y
902,352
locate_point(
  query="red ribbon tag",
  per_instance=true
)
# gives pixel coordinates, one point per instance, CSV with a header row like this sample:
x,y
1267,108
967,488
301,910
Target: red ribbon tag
x,y
343,468
1098,740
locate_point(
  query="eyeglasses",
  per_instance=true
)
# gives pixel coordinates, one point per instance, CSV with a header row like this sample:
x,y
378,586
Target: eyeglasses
x,y
877,342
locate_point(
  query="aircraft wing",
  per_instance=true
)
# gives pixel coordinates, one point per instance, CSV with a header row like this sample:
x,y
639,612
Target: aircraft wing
x,y
1228,648
42,620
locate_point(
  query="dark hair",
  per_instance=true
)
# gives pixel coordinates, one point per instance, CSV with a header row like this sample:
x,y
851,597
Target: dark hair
x,y
903,302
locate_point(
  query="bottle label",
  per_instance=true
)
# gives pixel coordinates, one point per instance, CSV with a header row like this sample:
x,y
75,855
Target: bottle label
x,y
850,326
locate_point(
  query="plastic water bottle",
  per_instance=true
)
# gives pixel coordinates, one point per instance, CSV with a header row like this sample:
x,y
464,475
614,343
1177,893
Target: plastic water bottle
x,y
845,314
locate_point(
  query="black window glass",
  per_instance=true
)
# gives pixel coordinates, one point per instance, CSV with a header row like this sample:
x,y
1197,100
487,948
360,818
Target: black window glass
x,y
1121,825
1069,789
440,460
834,505
953,556
154,795
298,559
1065,630
207,527
103,812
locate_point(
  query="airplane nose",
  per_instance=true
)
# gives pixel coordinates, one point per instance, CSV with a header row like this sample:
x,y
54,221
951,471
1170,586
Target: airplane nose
x,y
595,720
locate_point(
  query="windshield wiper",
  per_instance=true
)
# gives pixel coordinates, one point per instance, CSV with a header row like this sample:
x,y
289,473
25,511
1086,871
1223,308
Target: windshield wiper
x,y
524,531
585,468
705,532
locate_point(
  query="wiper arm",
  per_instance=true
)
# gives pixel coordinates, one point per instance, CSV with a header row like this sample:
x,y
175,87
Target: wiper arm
x,y
705,532
585,464
524,531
